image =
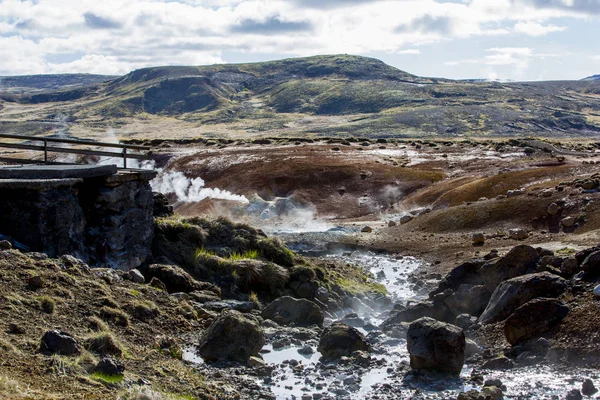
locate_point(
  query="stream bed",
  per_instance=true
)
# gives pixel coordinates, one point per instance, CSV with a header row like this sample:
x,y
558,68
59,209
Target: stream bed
x,y
303,377
298,373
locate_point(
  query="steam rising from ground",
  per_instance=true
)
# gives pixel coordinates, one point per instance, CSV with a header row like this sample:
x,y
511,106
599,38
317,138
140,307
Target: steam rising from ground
x,y
190,190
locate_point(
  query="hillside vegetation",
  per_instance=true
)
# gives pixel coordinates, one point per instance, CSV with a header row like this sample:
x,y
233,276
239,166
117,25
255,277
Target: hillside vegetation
x,y
322,95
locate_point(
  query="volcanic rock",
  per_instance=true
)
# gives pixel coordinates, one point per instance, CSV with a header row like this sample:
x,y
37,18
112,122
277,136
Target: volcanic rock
x,y
288,310
513,293
341,339
436,346
232,336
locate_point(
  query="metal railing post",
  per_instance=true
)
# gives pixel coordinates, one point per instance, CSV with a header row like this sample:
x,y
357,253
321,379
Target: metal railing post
x,y
124,156
45,151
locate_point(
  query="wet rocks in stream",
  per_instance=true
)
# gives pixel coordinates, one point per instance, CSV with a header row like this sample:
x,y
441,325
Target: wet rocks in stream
x,y
436,346
340,340
287,310
232,336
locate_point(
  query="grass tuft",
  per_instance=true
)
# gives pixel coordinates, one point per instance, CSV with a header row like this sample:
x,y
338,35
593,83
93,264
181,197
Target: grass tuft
x,y
118,317
106,378
104,343
47,304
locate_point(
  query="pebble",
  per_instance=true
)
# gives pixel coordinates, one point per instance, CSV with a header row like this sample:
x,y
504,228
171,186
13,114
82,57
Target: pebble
x,y
597,291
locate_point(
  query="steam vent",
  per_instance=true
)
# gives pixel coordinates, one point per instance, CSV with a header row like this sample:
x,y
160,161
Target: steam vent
x,y
93,212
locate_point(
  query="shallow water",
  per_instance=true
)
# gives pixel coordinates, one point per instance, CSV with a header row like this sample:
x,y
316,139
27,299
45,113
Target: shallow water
x,y
297,375
388,380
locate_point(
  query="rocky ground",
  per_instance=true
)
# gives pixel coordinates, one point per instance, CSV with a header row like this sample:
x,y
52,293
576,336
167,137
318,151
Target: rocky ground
x,y
502,235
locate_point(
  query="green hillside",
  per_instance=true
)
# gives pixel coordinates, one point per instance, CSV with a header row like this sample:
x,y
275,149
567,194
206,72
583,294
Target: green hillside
x,y
373,98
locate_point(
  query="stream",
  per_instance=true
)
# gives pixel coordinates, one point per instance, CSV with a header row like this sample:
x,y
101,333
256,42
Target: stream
x,y
299,373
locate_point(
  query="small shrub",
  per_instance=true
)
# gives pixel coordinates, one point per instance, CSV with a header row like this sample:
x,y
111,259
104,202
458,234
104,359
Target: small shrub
x,y
253,297
275,251
96,324
144,310
47,304
104,344
170,346
7,347
108,302
117,317
303,273
187,311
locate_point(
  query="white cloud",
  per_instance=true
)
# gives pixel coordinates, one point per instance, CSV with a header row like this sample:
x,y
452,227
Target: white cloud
x,y
409,51
118,34
535,29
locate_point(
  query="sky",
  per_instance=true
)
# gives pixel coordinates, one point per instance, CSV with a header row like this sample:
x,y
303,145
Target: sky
x,y
457,39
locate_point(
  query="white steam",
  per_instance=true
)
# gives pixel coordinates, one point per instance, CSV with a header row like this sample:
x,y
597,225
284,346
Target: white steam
x,y
190,190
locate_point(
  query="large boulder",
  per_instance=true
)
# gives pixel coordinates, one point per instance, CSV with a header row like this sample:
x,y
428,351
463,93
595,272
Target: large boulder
x,y
533,319
436,346
57,342
287,310
468,299
431,309
233,337
177,280
591,265
513,293
464,274
341,339
515,263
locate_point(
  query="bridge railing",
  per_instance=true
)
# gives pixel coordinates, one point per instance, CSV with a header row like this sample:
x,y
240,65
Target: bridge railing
x,y
48,145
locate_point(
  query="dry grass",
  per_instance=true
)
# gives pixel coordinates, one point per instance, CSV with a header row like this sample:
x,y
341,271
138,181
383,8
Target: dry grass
x,y
104,343
115,316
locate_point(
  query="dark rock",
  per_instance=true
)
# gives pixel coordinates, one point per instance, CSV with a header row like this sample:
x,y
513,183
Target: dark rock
x,y
515,263
513,293
353,320
464,274
305,290
35,282
533,319
232,336
204,296
57,342
574,394
5,245
340,340
569,267
136,276
591,265
220,305
501,363
177,280
583,254
110,366
157,283
588,388
435,345
15,329
468,299
471,348
487,393
161,206
465,321
288,310
438,311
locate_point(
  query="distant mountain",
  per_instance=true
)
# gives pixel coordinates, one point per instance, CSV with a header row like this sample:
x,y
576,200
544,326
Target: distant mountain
x,y
351,95
592,78
37,83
